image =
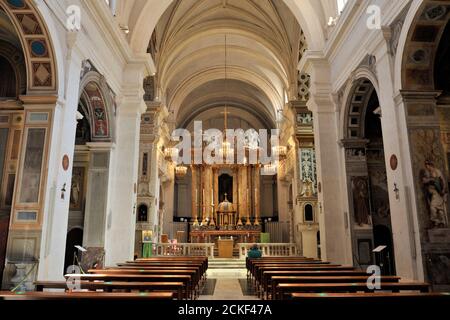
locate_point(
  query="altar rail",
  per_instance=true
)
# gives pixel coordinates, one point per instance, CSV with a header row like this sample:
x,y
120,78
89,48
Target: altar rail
x,y
270,249
184,249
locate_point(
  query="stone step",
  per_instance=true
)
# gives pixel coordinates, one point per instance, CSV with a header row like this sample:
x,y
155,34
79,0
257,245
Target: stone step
x,y
220,263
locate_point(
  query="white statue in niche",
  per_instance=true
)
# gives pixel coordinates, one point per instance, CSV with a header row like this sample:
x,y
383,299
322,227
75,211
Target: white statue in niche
x,y
435,191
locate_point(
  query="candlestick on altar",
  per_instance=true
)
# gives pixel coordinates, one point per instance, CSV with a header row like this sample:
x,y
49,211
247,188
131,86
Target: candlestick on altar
x,y
239,223
195,224
256,208
204,221
248,223
212,222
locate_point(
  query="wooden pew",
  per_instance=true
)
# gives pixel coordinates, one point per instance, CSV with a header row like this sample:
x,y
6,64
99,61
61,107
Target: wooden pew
x,y
166,266
284,285
249,261
85,295
185,279
252,264
285,289
260,269
255,270
373,297
193,273
267,275
176,287
168,263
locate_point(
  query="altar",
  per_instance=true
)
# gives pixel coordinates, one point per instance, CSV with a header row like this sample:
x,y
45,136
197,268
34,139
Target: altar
x,y
226,223
212,236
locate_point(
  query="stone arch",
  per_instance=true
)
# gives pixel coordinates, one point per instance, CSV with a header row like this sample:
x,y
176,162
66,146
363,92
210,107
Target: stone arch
x,y
36,44
16,60
426,118
365,164
422,42
356,95
98,105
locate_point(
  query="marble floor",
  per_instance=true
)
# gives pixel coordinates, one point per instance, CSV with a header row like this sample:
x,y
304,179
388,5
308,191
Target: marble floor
x,y
228,285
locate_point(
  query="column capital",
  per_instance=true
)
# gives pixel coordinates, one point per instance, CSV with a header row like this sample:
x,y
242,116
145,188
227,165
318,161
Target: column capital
x,y
38,100
73,46
353,143
130,105
419,95
100,146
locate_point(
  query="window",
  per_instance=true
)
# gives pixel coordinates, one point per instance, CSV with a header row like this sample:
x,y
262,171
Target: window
x,y
112,4
309,214
142,213
341,5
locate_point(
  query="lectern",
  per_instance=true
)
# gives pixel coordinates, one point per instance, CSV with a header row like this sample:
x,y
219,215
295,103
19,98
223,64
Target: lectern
x,y
225,248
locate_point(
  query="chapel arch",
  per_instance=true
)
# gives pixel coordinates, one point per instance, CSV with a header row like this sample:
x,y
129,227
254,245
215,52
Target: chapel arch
x,y
91,165
28,78
369,208
426,100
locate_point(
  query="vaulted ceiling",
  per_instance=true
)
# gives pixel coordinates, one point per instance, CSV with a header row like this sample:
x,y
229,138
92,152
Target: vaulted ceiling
x,y
7,31
259,41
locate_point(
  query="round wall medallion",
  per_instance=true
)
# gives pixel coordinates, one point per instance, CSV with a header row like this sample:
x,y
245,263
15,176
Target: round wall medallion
x,y
393,162
65,162
38,48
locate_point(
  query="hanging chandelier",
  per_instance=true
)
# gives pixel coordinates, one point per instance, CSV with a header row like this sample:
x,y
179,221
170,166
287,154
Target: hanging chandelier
x,y
226,150
171,154
279,152
181,171
270,169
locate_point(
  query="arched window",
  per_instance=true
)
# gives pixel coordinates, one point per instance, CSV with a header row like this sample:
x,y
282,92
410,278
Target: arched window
x,y
143,213
341,5
309,213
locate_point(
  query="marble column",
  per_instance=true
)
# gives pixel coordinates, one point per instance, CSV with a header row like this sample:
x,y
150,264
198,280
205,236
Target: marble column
x,y
121,220
55,220
335,237
194,190
203,186
216,191
208,192
97,194
402,206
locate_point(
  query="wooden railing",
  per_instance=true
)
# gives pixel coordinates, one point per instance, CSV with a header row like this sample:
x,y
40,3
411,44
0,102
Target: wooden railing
x,y
184,249
270,249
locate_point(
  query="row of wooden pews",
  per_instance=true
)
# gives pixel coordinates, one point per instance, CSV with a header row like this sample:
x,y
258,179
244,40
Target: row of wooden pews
x,y
156,278
304,279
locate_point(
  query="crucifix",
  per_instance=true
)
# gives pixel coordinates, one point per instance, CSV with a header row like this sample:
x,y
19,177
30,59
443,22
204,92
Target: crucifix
x,y
225,116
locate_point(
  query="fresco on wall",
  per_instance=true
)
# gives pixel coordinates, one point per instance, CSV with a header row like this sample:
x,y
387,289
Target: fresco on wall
x,y
379,196
29,192
439,268
98,107
76,192
361,205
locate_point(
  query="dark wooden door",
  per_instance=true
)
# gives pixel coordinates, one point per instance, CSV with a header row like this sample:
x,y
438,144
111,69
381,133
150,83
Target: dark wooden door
x,y
4,227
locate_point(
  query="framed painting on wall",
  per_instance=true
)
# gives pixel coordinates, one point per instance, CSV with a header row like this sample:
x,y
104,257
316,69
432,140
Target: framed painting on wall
x,y
77,189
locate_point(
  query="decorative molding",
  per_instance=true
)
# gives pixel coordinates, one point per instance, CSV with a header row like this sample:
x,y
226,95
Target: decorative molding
x,y
36,44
